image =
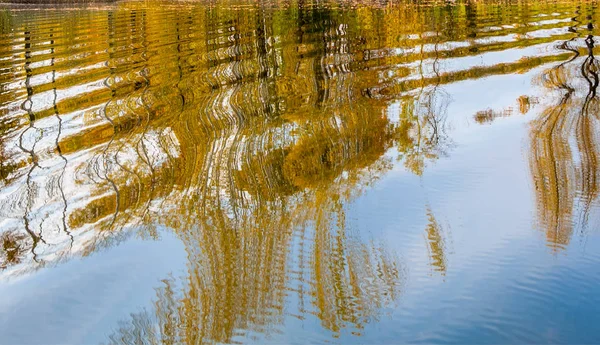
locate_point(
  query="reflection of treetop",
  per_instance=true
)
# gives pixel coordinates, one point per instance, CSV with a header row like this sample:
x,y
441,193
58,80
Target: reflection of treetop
x,y
564,147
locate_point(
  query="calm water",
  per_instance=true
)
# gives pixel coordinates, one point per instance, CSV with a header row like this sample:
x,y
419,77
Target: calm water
x,y
299,172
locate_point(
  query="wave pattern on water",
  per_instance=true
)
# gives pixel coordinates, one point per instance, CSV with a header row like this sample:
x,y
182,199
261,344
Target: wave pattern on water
x,y
248,129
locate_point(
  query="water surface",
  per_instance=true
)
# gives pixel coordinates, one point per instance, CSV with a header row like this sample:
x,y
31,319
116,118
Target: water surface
x,y
299,172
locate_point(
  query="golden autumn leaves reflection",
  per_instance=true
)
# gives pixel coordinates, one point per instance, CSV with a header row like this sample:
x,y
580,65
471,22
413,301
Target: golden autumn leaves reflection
x,y
247,131
564,144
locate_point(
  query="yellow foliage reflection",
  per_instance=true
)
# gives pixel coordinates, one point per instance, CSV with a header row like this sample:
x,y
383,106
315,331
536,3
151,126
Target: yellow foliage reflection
x,y
564,145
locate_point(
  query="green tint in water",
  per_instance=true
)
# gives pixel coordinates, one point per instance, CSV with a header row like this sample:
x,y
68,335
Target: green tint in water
x,y
335,172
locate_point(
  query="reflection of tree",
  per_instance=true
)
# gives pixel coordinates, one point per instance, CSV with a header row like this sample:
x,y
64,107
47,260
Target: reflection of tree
x,y
566,174
239,248
436,243
249,187
421,134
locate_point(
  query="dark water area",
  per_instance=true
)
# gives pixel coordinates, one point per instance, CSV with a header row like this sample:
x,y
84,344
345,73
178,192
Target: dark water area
x,y
299,172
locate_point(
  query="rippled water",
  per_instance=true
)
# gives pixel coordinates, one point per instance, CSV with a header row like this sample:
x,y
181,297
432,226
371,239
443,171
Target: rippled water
x,y
299,172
